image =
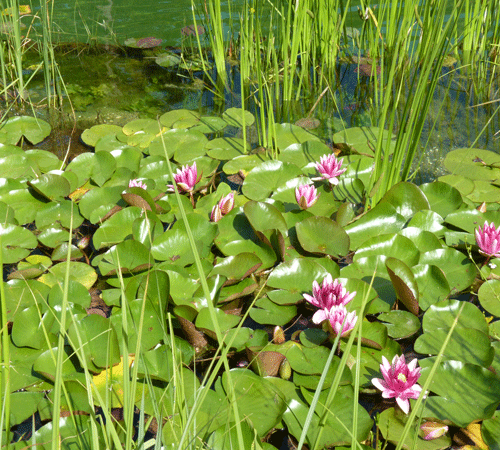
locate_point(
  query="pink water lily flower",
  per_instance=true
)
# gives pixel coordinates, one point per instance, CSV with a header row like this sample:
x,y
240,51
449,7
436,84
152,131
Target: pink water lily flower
x,y
399,381
330,168
330,293
488,240
137,183
306,195
224,205
187,177
336,316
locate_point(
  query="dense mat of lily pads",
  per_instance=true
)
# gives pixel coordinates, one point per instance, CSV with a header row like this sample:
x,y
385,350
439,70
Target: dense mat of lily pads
x,y
292,242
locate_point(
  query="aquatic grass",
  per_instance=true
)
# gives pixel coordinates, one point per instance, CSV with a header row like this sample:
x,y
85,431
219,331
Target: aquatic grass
x,y
426,65
5,372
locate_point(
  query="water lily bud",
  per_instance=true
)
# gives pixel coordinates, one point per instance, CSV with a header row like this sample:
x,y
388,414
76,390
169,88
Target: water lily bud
x,y
216,213
285,370
227,203
83,242
433,430
306,196
278,335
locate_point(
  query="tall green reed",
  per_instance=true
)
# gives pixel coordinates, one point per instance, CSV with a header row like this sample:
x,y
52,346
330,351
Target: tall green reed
x,y
5,371
20,38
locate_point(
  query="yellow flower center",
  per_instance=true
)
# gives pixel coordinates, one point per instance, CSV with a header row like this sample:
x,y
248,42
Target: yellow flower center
x,y
401,377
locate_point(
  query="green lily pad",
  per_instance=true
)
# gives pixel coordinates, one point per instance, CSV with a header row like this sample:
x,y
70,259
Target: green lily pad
x,y
400,324
91,135
298,275
51,186
257,399
238,117
490,431
225,321
404,283
127,257
308,152
20,199
458,269
425,241
17,243
116,228
407,199
168,60
225,148
484,191
382,219
63,212
442,197
469,342
78,271
455,383
96,203
462,184
427,220
287,134
489,296
29,329
26,405
473,163
236,268
110,142
152,329
267,312
184,145
322,235
432,284
97,333
264,216
44,160
53,236
171,118
33,129
392,422
245,163
236,236
363,140
210,124
390,245
262,180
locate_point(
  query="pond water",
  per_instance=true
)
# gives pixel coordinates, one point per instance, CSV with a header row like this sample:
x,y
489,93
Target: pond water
x,y
108,83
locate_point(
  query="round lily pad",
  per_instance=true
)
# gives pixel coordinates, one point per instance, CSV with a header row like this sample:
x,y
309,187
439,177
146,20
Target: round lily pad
x,y
33,129
489,296
400,324
91,135
238,117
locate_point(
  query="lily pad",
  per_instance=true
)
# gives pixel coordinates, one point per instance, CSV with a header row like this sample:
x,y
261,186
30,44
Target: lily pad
x,y
287,134
400,324
17,243
33,129
489,296
265,178
473,163
238,117
455,383
91,135
322,235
